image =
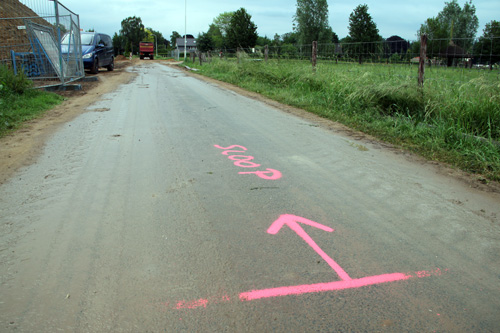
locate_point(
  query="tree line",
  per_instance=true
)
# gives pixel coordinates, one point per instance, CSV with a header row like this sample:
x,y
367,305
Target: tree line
x,y
232,30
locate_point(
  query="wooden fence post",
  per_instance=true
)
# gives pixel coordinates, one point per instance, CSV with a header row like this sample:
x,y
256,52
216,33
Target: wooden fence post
x,y
266,52
421,62
314,54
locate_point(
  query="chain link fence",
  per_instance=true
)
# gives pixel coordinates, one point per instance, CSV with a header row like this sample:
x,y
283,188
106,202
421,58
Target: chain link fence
x,y
41,39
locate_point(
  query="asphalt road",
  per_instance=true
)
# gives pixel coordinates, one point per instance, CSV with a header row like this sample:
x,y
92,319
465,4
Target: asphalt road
x,y
177,205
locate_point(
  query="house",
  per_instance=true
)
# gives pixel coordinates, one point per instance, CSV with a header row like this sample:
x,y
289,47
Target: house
x,y
190,44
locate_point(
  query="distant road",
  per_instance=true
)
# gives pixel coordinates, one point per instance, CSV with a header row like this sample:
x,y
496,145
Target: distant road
x,y
176,205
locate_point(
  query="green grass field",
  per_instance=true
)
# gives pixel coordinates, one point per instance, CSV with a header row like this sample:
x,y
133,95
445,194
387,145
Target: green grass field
x,y
455,118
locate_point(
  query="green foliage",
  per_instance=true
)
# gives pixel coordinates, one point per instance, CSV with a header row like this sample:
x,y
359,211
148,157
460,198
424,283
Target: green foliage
x,y
311,19
11,83
290,38
133,31
173,38
215,33
204,42
119,43
148,36
362,29
18,102
455,119
157,37
452,23
242,31
223,22
488,46
263,41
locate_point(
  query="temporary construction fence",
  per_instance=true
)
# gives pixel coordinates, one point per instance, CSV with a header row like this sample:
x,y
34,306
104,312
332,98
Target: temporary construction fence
x,y
41,38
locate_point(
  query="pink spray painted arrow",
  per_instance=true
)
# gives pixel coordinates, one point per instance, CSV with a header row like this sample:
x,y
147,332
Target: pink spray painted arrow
x,y
293,223
346,282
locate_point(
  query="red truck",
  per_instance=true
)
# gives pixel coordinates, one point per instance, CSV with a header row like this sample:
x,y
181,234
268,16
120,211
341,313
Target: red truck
x,y
146,50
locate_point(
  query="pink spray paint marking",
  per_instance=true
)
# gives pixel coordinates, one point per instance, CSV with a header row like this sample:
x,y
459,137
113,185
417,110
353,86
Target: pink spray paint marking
x,y
305,289
270,174
201,303
346,282
244,161
292,222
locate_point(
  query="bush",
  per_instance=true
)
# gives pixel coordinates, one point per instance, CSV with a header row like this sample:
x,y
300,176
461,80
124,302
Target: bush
x,y
12,83
19,103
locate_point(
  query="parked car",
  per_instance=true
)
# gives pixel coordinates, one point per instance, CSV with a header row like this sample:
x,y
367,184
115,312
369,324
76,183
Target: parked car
x,y
97,51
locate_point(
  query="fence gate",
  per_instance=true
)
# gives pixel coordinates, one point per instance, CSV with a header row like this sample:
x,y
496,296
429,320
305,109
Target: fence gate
x,y
41,39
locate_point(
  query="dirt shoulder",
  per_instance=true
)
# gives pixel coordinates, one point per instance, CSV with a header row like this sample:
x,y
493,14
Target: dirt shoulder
x,y
22,147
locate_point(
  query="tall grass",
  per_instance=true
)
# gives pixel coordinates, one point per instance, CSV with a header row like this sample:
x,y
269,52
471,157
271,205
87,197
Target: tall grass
x,y
19,102
455,118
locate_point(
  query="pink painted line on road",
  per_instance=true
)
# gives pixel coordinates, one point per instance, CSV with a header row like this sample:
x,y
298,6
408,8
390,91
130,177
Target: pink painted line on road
x,y
309,288
202,302
322,287
192,304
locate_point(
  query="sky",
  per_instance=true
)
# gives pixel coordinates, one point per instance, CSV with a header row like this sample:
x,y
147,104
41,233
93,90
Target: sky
x,y
402,18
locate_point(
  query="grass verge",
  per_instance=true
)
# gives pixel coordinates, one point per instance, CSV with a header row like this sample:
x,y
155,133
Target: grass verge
x,y
19,102
454,119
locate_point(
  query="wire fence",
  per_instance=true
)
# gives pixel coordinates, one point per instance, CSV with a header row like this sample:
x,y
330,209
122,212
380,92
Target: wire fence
x,y
42,40
455,60
482,52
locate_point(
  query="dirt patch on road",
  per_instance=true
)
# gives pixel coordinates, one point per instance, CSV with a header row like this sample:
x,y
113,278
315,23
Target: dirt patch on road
x,y
21,147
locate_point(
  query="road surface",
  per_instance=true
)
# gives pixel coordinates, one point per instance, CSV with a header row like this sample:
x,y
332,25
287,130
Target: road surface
x,y
174,204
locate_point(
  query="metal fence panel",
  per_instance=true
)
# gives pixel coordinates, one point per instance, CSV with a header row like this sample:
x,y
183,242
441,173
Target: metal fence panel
x,y
31,34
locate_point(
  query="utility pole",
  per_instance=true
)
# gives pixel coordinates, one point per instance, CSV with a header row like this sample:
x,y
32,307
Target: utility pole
x,y
185,29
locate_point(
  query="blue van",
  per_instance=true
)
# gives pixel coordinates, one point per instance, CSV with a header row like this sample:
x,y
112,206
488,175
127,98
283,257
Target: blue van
x,y
97,51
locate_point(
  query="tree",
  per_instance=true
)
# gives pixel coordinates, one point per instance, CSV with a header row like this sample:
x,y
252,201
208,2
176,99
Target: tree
x,y
148,36
173,38
119,43
488,46
263,41
335,38
204,42
160,40
311,22
223,22
452,24
396,45
362,29
242,31
290,38
215,34
133,31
